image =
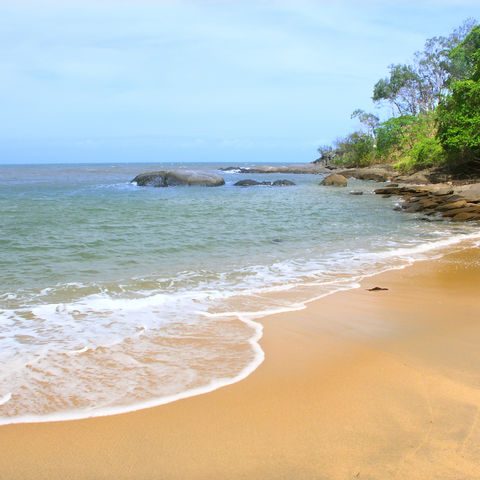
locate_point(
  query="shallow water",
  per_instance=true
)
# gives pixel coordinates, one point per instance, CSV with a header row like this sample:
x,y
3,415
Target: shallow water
x,y
114,296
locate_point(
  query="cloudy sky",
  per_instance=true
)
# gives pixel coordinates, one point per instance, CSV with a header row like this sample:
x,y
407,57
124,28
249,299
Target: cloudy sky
x,y
145,80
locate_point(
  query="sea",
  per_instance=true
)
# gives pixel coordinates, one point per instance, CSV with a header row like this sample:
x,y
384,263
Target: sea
x,y
115,297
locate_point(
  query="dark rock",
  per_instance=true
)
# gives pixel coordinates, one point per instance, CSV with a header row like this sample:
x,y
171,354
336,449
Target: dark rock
x,y
282,183
335,180
249,183
167,178
356,193
376,289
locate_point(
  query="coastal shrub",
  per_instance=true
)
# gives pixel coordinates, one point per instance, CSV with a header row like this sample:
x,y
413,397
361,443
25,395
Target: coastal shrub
x,y
426,152
355,150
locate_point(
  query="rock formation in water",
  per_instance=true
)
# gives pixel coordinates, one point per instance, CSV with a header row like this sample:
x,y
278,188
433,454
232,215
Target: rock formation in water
x,y
168,178
335,180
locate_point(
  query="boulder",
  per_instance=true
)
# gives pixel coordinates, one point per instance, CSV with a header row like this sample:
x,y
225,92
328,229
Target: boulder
x,y
471,193
378,173
355,193
167,178
335,180
282,183
418,178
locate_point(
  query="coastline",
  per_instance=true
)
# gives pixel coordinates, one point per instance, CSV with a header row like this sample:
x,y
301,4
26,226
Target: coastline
x,y
379,384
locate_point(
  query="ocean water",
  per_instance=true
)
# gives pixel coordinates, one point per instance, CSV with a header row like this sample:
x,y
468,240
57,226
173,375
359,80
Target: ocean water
x,y
115,297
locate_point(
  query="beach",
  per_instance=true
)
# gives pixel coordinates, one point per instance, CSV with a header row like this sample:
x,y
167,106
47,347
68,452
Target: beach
x,y
359,384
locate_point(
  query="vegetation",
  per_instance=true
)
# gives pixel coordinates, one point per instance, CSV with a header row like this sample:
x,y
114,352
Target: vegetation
x,y
435,105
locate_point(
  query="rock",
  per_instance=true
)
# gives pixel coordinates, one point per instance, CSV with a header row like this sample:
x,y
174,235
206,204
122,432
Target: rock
x,y
378,173
441,190
252,183
471,193
356,193
451,205
467,208
418,178
167,178
335,180
282,183
466,217
249,183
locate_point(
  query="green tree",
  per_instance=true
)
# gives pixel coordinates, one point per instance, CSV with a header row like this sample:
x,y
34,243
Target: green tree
x,y
459,113
355,150
459,123
419,87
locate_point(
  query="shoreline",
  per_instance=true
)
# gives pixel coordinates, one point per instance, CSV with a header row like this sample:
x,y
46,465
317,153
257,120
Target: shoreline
x,y
253,320
309,410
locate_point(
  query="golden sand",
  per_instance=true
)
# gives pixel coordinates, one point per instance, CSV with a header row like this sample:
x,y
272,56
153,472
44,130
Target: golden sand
x,y
369,385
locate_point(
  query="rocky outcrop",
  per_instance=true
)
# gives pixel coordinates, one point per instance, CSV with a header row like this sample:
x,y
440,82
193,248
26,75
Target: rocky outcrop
x,y
380,173
460,204
167,178
252,183
335,180
297,169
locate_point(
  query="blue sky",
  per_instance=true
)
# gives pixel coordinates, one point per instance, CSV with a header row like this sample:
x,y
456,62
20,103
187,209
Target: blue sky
x,y
258,81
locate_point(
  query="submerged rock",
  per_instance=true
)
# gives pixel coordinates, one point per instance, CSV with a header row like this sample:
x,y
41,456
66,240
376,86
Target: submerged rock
x,y
250,183
335,180
282,183
168,178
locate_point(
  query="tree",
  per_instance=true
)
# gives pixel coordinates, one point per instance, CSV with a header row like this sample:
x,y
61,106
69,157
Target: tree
x,y
401,89
355,150
419,88
459,123
368,120
464,58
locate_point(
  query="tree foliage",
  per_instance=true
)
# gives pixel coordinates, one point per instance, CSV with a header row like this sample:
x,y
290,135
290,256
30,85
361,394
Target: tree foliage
x,y
418,88
355,150
459,113
459,123
435,104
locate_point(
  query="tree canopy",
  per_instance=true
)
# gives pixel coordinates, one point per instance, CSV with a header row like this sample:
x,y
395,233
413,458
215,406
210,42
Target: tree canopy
x,y
435,104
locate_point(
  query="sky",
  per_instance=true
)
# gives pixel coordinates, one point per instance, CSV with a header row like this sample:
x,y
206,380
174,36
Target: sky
x,y
222,81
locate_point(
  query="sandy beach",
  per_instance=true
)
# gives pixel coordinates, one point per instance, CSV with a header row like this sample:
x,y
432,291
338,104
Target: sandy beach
x,y
360,384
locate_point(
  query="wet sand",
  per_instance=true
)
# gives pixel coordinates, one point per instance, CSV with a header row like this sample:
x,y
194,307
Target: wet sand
x,y
369,385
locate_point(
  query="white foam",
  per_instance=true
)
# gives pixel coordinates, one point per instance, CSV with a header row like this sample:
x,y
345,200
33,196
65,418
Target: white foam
x,y
122,308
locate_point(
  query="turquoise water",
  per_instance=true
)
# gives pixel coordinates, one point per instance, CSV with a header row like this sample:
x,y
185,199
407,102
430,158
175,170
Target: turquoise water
x,y
115,297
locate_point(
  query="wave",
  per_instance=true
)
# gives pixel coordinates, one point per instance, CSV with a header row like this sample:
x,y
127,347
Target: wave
x,y
110,350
